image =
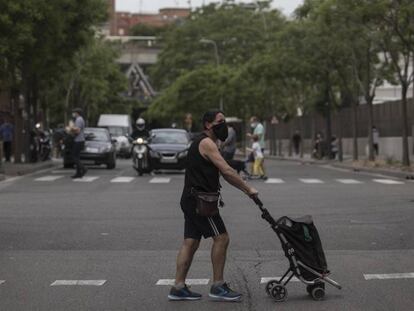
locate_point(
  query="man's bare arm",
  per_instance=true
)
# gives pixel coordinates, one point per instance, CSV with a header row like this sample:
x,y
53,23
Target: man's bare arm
x,y
209,150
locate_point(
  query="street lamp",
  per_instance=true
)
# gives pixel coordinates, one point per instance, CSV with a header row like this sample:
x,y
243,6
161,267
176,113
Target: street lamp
x,y
212,42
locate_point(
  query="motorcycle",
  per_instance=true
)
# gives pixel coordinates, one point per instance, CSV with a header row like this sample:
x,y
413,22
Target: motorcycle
x,y
45,148
140,158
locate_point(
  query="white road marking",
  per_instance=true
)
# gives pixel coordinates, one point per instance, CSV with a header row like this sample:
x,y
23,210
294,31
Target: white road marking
x,y
160,180
389,276
349,181
86,179
49,178
274,181
388,181
2,282
267,279
171,282
122,179
78,283
311,181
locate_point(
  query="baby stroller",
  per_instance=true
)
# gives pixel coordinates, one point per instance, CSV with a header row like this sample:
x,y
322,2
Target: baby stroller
x,y
303,248
240,167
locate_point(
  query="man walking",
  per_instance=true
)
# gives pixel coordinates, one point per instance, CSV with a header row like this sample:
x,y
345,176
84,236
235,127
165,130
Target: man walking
x,y
228,148
6,133
78,142
204,165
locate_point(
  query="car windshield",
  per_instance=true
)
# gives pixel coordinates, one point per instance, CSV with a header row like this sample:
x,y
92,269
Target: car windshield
x,y
96,136
169,138
117,130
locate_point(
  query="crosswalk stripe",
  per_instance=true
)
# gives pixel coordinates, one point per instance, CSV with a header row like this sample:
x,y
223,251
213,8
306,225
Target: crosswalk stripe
x,y
49,178
389,276
267,279
122,179
2,282
171,282
388,181
311,181
160,180
274,181
86,179
78,283
349,181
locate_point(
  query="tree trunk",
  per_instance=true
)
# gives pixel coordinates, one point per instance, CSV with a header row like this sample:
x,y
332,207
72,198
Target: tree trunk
x,y
340,149
354,130
405,149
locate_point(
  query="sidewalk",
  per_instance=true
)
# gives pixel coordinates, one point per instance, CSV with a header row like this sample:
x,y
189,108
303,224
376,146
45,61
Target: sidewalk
x,y
349,164
12,169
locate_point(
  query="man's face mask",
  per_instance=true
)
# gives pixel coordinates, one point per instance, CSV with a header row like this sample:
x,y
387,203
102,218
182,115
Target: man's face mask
x,y
74,115
253,125
221,131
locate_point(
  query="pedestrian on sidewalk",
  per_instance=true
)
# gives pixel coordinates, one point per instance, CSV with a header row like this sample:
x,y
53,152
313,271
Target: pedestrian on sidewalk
x,y
297,140
201,219
375,140
77,130
6,133
258,166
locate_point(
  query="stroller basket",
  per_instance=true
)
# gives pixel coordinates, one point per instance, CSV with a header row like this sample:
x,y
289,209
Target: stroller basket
x,y
302,235
303,248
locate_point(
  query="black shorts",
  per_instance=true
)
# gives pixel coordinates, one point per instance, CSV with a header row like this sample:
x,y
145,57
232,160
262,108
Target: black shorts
x,y
196,226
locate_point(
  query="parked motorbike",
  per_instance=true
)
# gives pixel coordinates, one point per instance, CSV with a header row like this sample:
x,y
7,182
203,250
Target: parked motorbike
x,y
140,158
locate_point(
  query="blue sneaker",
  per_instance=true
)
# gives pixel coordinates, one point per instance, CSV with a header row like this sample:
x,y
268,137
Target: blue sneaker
x,y
224,293
183,294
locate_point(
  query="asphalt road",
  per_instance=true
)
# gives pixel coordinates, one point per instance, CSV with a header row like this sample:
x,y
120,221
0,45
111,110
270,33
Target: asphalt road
x,y
104,245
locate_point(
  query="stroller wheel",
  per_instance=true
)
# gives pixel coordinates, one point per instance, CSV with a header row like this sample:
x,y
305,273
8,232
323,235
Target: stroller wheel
x,y
279,293
270,285
318,293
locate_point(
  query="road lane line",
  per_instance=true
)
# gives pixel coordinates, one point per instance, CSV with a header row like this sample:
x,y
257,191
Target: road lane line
x,y
311,181
123,179
86,179
349,181
267,279
274,181
160,180
49,178
388,181
389,276
2,282
171,282
78,283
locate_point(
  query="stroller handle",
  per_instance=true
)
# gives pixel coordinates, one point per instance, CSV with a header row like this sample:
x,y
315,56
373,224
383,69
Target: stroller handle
x,y
256,200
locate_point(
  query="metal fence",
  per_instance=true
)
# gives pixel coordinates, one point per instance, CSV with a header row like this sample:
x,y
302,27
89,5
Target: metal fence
x,y
387,119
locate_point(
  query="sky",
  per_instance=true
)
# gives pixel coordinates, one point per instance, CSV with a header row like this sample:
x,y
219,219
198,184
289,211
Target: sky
x,y
287,6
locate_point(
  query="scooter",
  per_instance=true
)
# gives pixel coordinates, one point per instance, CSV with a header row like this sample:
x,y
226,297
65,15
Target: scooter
x,y
45,148
140,158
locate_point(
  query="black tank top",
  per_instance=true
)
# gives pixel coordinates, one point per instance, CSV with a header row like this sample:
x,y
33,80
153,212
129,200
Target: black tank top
x,y
200,174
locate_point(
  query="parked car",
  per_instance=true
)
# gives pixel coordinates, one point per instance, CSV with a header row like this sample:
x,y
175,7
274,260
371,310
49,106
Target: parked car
x,y
119,126
99,149
168,148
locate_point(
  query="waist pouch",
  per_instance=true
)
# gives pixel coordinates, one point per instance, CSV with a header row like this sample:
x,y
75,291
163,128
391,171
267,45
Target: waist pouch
x,y
207,203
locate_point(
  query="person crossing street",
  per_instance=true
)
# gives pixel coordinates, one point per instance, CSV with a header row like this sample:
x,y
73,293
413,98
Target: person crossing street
x,y
199,203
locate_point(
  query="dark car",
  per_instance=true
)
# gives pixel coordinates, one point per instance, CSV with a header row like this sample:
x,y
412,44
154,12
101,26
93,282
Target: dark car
x,y
168,149
99,149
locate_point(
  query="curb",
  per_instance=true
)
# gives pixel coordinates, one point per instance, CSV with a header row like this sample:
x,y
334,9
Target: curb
x,y
396,174
21,170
